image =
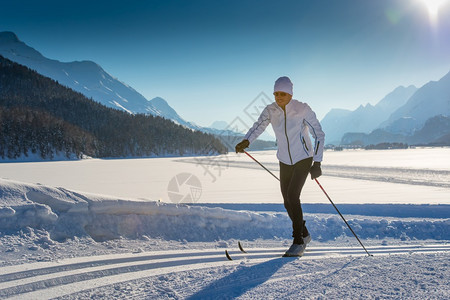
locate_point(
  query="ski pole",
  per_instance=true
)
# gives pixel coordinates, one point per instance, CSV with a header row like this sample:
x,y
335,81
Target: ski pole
x,y
343,218
348,225
262,166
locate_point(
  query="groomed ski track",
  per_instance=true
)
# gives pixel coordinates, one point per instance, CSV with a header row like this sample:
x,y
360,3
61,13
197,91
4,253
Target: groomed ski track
x,y
45,280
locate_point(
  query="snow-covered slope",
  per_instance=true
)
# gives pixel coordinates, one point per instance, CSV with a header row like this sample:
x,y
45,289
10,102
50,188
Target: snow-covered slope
x,y
85,77
88,78
91,80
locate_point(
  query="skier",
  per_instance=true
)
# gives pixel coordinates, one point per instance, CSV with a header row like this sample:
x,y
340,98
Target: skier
x,y
292,122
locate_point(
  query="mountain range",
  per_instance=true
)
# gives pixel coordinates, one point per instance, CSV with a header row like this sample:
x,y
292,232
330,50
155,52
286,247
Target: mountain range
x,y
365,118
402,116
89,79
40,117
430,100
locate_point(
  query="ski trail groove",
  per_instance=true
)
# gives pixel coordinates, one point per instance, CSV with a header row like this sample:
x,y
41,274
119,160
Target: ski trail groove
x,y
49,280
35,269
48,276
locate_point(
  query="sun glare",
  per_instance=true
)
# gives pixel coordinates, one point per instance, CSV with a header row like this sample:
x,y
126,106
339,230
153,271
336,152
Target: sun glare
x,y
433,8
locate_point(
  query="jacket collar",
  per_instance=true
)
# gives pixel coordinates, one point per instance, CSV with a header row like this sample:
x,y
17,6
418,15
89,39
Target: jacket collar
x,y
287,105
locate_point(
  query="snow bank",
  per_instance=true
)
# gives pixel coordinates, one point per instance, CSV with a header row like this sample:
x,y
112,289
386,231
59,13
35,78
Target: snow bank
x,y
331,227
65,214
31,215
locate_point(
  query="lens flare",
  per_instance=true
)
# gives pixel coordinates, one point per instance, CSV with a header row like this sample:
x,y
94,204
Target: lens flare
x,y
433,8
393,16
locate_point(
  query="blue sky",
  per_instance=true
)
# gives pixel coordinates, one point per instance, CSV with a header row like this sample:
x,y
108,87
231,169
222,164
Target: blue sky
x,y
210,59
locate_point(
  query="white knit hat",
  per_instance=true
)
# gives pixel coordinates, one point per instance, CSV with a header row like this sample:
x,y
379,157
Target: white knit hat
x,y
283,84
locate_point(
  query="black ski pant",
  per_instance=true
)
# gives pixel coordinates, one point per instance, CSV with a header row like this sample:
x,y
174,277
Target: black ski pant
x,y
292,179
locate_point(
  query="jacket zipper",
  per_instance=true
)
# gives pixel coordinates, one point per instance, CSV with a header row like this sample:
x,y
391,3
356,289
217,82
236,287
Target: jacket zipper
x,y
285,132
304,143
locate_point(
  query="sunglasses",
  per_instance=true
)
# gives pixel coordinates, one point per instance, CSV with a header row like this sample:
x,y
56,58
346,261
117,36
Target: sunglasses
x,y
282,94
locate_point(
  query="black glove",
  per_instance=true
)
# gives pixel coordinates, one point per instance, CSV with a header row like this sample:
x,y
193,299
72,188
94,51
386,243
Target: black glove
x,y
315,170
242,145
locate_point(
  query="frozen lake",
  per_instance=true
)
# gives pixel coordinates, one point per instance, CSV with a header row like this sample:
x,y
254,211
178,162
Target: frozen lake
x,y
411,176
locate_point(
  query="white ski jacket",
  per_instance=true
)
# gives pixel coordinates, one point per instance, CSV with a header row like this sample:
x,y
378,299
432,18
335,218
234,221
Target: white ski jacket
x,y
293,128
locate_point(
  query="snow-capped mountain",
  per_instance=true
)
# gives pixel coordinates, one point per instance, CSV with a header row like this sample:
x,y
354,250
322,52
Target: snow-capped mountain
x,y
161,108
430,100
423,119
365,118
88,78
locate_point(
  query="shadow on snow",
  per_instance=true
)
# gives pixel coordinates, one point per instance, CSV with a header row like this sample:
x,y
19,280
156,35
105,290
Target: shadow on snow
x,y
242,280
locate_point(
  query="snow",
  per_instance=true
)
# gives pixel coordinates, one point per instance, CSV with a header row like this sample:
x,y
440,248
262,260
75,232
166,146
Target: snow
x,y
88,229
63,212
235,178
120,106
